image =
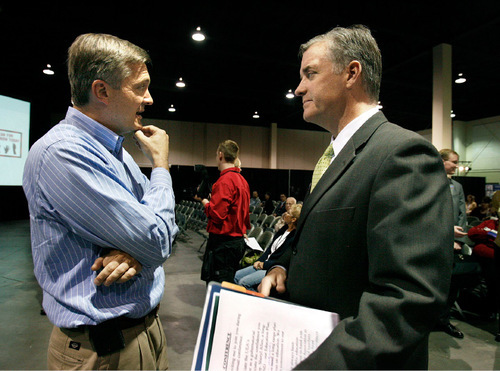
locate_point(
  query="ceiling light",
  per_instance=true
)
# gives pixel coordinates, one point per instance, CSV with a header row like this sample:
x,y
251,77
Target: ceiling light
x,y
255,115
460,79
198,35
172,108
180,83
290,95
379,105
48,70
452,114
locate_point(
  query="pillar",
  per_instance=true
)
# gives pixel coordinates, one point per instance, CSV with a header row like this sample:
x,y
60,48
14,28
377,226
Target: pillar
x,y
441,97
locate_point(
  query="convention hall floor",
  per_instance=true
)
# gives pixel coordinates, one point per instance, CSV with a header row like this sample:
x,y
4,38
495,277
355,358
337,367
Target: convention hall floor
x,y
25,332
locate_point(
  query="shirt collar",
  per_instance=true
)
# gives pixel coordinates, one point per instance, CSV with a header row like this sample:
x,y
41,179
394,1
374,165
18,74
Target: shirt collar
x,y
230,169
109,139
348,131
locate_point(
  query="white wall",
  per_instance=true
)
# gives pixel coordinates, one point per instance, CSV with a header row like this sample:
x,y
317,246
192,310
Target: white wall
x,y
477,141
195,143
482,147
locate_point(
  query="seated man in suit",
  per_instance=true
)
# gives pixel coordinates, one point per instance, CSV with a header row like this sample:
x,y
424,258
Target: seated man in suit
x,y
369,243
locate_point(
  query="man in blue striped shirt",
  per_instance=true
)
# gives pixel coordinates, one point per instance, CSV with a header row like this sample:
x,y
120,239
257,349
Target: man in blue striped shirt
x,y
100,229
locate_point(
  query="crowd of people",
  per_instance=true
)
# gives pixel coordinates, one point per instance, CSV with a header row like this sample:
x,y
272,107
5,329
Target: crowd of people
x,y
373,241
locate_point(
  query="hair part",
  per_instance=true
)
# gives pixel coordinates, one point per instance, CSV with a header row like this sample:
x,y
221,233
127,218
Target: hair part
x,y
100,57
229,149
354,43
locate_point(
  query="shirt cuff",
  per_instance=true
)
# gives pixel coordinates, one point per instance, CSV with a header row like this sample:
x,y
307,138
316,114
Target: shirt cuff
x,y
160,177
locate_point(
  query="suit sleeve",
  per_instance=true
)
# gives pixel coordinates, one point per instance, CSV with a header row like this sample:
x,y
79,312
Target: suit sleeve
x,y
462,214
409,234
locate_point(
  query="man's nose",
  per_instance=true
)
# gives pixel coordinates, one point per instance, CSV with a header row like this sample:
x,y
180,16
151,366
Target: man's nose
x,y
148,99
299,91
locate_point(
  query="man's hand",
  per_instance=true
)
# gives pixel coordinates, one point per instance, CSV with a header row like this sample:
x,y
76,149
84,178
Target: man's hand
x,y
457,247
118,267
154,143
459,231
275,279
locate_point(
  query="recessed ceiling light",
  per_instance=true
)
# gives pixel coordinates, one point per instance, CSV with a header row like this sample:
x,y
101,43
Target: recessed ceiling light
x,y
460,79
452,114
198,35
171,108
255,115
379,105
180,83
290,95
48,70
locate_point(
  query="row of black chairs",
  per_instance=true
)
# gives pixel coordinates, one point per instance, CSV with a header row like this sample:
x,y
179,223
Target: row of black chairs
x,y
189,215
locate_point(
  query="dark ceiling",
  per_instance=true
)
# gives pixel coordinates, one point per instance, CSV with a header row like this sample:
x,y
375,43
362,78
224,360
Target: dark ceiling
x,y
249,59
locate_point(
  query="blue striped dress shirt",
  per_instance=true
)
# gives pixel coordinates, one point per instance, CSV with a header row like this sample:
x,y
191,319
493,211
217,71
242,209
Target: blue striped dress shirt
x,y
86,193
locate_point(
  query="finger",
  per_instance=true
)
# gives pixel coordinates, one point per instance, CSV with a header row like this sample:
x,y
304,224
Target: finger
x,y
116,274
104,274
280,286
98,264
131,272
265,286
150,130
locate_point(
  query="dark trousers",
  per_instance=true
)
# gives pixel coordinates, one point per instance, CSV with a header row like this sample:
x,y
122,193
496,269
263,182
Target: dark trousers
x,y
222,258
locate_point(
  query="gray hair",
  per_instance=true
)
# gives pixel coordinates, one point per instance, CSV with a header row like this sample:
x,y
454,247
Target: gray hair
x,y
353,43
100,57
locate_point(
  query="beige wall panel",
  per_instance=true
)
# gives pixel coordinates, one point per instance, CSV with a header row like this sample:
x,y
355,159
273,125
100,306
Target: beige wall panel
x,y
300,149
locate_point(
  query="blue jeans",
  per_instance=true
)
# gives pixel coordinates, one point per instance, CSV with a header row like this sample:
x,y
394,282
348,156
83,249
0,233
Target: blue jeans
x,y
249,277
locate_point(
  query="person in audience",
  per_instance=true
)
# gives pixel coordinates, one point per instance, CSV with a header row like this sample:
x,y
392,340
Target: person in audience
x,y
237,163
369,244
251,276
484,236
228,217
450,161
290,201
471,204
267,204
255,200
495,204
100,229
281,206
485,211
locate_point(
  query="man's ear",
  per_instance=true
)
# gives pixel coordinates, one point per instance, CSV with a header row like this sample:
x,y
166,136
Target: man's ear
x,y
353,69
100,91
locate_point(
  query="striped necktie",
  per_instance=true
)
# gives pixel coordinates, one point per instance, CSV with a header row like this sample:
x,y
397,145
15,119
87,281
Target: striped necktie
x,y
322,165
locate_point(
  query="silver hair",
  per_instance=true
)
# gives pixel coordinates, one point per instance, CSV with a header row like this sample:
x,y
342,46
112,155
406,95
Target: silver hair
x,y
353,43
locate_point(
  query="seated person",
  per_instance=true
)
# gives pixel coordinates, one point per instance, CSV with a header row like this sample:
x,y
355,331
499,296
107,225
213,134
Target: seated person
x,y
255,200
251,276
290,201
484,236
267,205
470,204
281,206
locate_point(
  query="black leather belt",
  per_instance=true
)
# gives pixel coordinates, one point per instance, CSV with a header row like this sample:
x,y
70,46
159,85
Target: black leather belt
x,y
121,323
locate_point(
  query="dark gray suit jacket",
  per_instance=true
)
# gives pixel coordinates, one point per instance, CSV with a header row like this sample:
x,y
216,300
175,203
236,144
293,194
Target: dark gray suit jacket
x,y
370,246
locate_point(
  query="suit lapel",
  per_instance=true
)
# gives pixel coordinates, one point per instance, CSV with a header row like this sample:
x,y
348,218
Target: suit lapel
x,y
340,164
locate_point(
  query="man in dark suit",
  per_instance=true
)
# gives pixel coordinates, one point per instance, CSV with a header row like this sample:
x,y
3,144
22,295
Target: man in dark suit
x,y
369,243
459,274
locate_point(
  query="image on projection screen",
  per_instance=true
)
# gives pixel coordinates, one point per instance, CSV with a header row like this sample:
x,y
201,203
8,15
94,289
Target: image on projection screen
x,y
14,139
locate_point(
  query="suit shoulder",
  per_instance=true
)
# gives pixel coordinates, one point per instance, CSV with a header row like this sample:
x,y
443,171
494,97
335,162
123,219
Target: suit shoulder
x,y
397,133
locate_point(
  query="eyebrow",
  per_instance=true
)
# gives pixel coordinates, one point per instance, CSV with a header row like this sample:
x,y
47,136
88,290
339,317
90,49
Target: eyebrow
x,y
306,69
